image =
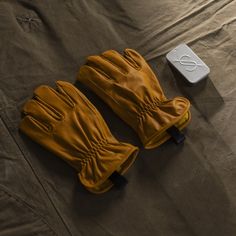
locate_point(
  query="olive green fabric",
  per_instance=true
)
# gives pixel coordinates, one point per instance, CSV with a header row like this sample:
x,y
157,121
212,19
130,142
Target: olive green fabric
x,y
66,123
186,190
128,85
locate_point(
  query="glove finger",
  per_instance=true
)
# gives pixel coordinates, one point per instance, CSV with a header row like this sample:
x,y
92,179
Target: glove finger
x,y
101,64
92,116
36,119
74,95
68,91
95,79
117,59
52,99
40,112
35,129
134,58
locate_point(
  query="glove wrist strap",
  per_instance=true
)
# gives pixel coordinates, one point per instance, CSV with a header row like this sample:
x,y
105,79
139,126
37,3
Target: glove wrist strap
x,y
118,180
177,136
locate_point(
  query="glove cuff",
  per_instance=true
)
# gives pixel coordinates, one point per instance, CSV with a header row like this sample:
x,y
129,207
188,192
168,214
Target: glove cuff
x,y
156,117
102,161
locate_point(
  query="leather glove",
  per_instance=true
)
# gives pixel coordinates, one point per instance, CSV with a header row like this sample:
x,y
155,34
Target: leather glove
x,y
66,123
129,86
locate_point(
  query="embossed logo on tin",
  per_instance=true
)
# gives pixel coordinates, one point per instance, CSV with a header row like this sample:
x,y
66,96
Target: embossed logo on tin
x,y
188,63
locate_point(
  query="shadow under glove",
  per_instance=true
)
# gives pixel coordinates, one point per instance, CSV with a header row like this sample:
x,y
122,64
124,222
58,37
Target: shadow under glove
x,y
129,86
66,123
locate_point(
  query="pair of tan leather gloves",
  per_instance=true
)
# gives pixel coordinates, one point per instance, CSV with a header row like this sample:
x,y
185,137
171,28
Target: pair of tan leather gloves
x,y
66,123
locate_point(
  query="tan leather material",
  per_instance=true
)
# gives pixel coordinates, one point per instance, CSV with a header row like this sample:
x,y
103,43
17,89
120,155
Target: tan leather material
x,y
66,123
129,86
